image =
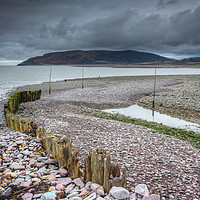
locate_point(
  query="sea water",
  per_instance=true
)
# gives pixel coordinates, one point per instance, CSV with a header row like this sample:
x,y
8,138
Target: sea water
x,y
14,76
139,112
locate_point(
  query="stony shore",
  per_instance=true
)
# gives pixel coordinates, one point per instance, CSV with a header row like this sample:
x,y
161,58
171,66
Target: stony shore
x,y
183,101
156,160
28,173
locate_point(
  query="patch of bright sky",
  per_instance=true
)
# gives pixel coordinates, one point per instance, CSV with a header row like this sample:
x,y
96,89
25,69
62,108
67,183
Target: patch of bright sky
x,y
173,56
10,62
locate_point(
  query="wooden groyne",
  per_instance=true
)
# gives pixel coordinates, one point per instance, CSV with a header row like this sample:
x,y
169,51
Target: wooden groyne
x,y
98,167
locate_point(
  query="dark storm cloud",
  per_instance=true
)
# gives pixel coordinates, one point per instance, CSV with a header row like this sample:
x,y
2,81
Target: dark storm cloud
x,y
29,27
186,27
163,3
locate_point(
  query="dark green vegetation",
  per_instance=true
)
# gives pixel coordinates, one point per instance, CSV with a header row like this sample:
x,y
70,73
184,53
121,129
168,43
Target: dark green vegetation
x,y
189,136
95,57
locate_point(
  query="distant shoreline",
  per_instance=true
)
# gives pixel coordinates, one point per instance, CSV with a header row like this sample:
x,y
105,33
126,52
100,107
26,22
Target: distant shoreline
x,y
124,65
138,65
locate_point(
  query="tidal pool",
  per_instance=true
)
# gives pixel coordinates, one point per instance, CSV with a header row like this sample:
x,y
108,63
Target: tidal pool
x,y
136,111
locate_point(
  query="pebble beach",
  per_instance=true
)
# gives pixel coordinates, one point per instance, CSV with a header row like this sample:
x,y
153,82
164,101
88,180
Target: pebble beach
x,y
160,162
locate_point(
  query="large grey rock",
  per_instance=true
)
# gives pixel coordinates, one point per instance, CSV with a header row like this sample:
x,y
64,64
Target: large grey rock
x,y
18,181
42,170
16,166
98,188
72,194
14,175
94,186
79,182
2,144
49,195
7,192
60,187
27,153
69,188
91,196
119,193
2,189
19,142
3,167
171,197
42,159
64,181
51,161
133,196
52,177
75,198
27,196
37,195
142,190
88,185
100,192
32,161
63,172
151,197
26,184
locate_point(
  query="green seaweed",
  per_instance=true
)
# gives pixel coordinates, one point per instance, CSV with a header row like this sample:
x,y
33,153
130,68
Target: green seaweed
x,y
189,136
19,97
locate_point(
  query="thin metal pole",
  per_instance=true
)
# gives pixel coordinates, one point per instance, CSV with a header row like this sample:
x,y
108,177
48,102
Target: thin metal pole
x,y
82,77
154,95
154,90
50,80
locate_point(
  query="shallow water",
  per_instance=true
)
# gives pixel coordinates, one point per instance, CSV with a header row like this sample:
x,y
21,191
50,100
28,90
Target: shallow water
x,y
14,76
136,111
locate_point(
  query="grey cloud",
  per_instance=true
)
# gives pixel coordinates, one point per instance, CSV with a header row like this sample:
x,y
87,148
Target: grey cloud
x,y
146,32
163,3
44,26
129,29
54,37
16,51
186,28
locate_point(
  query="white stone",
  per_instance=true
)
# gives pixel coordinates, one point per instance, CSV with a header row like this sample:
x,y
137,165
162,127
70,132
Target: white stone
x,y
27,196
142,190
100,192
49,195
119,193
27,153
79,182
16,166
94,186
91,197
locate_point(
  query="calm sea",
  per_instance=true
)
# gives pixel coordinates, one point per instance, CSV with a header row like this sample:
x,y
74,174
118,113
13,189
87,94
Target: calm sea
x,y
14,76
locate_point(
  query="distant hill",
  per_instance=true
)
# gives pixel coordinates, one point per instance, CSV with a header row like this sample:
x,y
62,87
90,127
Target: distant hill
x,y
192,59
94,57
188,61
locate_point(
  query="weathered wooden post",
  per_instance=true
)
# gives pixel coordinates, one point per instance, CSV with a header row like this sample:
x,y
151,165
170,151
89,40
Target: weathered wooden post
x,y
73,165
98,168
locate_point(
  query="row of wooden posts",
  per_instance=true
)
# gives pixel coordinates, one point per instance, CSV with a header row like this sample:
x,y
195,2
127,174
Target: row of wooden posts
x,y
97,168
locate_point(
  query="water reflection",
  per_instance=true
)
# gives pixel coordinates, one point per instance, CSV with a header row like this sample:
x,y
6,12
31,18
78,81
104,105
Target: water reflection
x,y
136,111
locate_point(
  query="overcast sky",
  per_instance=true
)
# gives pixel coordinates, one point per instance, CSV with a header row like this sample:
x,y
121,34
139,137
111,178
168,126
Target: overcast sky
x,y
33,27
